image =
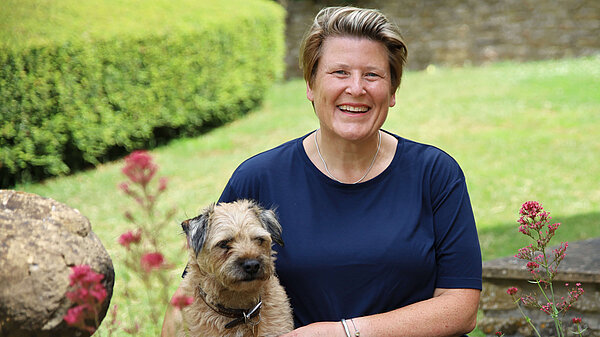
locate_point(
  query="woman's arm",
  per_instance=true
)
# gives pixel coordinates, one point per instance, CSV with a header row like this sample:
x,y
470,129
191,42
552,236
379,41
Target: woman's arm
x,y
450,312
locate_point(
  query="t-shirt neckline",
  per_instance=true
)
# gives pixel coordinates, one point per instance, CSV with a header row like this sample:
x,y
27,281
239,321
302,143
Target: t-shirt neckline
x,y
326,179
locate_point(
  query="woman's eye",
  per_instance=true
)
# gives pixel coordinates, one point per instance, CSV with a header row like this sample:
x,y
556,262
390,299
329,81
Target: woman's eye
x,y
373,75
340,72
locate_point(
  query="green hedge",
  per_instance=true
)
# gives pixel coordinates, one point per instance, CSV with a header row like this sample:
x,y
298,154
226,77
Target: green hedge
x,y
79,94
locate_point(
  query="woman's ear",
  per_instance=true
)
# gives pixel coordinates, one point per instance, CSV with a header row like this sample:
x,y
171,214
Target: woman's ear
x,y
393,100
309,93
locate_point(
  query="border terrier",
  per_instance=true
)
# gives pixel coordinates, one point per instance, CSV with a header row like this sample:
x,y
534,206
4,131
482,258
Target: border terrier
x,y
231,274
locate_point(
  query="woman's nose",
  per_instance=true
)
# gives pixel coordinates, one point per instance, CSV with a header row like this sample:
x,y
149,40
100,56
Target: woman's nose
x,y
355,86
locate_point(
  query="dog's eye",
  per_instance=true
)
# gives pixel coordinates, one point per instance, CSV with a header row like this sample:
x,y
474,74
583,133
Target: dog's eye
x,y
260,240
224,244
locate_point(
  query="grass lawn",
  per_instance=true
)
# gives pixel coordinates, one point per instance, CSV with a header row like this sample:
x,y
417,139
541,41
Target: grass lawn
x,y
519,131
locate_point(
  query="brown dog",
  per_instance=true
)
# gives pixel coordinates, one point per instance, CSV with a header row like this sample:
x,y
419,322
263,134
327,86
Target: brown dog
x,y
230,274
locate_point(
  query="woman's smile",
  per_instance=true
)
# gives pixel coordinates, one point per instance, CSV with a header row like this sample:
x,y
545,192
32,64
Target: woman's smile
x,y
353,109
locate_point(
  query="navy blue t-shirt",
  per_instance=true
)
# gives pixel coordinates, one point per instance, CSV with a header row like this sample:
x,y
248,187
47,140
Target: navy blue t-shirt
x,y
355,250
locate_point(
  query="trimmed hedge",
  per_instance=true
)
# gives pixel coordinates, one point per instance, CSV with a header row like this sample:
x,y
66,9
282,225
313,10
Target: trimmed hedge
x,y
68,102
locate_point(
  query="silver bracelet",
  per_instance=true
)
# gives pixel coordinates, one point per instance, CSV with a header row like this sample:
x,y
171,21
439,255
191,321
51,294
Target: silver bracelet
x,y
346,328
356,332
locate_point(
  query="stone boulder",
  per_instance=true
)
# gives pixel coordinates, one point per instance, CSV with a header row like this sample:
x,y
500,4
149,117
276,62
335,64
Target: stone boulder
x,y
40,239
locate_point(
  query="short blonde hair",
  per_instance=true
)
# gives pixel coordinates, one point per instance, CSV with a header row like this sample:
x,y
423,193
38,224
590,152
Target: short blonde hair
x,y
355,22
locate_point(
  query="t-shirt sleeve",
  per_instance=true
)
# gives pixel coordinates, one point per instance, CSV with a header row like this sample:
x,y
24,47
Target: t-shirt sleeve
x,y
229,194
242,185
458,253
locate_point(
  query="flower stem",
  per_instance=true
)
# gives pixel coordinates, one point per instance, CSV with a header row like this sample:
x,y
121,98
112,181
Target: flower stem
x,y
537,333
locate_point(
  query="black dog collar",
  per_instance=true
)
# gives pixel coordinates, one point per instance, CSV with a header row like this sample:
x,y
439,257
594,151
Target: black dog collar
x,y
241,316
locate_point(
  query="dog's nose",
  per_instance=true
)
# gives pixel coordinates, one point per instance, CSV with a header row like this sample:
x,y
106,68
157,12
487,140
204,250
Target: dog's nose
x,y
251,266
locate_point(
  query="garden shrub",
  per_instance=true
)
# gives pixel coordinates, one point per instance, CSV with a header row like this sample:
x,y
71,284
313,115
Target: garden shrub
x,y
80,85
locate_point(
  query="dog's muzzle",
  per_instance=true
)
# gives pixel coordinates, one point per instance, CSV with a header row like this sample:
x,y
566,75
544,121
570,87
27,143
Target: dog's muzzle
x,y
250,270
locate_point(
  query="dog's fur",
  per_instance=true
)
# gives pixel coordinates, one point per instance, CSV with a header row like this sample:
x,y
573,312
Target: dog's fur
x,y
223,241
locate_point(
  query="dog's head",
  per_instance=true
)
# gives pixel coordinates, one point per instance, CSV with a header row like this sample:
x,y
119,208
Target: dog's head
x,y
232,242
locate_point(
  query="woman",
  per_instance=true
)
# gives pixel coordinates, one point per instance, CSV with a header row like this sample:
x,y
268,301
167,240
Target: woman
x,y
379,232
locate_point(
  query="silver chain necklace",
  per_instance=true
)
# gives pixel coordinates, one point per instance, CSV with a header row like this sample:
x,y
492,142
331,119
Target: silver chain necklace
x,y
368,170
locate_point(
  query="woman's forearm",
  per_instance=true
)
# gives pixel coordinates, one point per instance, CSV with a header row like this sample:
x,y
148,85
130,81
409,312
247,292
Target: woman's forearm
x,y
451,312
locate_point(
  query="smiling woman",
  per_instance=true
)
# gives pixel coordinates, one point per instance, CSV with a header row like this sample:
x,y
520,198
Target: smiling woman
x,y
351,93
352,80
378,229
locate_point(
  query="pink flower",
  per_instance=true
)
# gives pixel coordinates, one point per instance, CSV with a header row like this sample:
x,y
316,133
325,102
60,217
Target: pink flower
x,y
75,315
552,228
576,320
162,184
181,301
151,261
561,251
529,301
139,167
532,266
83,275
525,253
98,292
86,286
575,293
124,187
531,209
512,290
87,293
130,237
547,308
533,218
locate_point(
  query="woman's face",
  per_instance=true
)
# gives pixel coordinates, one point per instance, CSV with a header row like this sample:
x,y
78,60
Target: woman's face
x,y
351,90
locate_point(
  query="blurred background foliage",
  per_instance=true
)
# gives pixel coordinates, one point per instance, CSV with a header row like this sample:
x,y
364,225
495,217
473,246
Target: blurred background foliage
x,y
85,82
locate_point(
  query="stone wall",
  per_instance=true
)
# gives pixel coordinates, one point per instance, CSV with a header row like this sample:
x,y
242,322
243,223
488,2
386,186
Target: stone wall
x,y
462,32
582,264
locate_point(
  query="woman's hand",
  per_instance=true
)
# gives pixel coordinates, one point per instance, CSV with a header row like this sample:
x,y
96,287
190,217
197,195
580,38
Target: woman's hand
x,y
324,329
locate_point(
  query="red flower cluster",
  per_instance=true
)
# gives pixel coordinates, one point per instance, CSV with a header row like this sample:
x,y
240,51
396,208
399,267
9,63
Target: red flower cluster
x,y
139,167
162,184
576,320
572,297
560,252
130,237
88,293
181,301
535,223
533,220
152,261
526,253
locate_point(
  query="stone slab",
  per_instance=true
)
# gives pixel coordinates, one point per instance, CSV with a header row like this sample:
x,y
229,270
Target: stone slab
x,y
582,263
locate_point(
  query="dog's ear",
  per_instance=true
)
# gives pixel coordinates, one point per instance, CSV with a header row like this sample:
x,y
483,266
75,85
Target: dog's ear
x,y
195,229
271,224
